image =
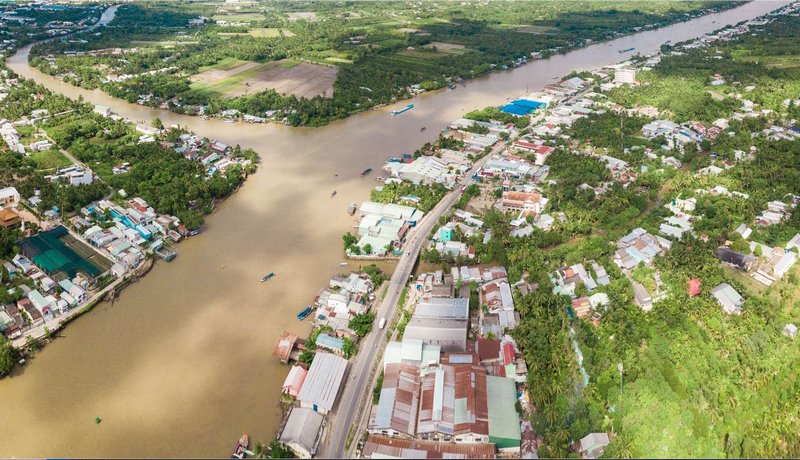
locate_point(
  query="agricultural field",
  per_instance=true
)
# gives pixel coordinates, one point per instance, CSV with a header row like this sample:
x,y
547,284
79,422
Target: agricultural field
x,y
262,32
239,17
237,78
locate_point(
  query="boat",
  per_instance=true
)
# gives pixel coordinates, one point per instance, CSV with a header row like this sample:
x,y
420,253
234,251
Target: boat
x,y
366,171
304,314
342,264
241,445
268,276
394,160
452,86
228,120
422,129
351,209
398,112
333,194
626,50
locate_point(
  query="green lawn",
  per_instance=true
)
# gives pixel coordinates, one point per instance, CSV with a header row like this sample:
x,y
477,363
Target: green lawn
x,y
50,159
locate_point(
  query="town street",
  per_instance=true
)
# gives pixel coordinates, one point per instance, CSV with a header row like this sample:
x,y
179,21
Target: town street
x,y
356,394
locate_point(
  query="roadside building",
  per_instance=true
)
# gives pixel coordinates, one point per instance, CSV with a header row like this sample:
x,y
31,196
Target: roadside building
x,y
9,197
384,447
450,334
398,406
301,432
323,381
411,351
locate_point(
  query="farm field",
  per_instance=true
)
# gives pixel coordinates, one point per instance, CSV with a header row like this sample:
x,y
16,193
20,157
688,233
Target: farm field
x,y
50,159
261,32
233,79
240,17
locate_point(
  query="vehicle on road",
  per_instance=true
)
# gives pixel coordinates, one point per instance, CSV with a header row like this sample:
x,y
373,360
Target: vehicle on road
x,y
382,323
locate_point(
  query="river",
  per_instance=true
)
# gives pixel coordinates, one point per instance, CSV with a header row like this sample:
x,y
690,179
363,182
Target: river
x,y
181,364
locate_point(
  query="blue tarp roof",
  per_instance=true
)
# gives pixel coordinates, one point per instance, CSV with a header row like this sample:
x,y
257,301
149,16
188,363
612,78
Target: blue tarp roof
x,y
521,107
515,110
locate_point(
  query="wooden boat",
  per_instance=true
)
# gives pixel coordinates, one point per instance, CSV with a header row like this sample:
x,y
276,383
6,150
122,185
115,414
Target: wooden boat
x,y
366,172
305,312
268,276
333,194
241,445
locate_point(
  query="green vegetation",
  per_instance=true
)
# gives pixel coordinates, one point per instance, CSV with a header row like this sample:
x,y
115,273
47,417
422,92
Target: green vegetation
x,y
394,192
381,50
361,324
348,348
7,356
696,382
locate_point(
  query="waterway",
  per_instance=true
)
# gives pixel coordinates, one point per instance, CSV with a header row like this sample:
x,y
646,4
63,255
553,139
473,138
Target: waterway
x,y
181,364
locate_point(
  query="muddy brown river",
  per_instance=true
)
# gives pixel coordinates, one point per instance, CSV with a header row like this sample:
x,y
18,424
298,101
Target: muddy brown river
x,y
181,364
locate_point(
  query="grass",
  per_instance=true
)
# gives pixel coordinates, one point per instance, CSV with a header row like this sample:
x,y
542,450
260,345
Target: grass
x,y
50,159
221,88
227,63
289,63
422,54
785,61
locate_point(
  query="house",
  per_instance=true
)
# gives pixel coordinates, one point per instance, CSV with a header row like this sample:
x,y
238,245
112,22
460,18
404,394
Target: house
x,y
411,351
332,344
9,197
294,381
744,231
323,381
735,259
728,298
9,218
301,432
622,76
582,307
642,298
593,445
526,203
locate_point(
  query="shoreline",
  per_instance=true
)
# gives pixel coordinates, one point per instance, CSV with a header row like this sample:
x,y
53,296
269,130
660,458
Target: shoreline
x,y
237,190
412,93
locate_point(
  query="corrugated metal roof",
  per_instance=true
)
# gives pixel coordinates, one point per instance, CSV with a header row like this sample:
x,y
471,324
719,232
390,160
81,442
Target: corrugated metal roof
x,y
324,378
504,429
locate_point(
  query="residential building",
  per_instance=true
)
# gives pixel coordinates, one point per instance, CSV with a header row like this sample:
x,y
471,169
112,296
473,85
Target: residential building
x,y
735,259
625,76
9,197
527,204
728,298
449,333
642,298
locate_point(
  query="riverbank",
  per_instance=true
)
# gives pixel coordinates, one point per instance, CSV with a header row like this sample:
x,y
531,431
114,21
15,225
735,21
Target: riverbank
x,y
158,364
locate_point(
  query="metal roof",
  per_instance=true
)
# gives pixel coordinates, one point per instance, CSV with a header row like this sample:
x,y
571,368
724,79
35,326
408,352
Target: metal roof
x,y
323,380
504,429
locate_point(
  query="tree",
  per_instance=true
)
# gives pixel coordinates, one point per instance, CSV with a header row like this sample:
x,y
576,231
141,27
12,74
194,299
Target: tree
x,y
348,348
361,324
157,123
367,249
7,356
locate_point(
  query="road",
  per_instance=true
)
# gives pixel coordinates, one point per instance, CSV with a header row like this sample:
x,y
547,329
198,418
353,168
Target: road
x,y
357,389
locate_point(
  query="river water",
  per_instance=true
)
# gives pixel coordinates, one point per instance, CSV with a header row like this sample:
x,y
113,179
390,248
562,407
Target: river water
x,y
181,364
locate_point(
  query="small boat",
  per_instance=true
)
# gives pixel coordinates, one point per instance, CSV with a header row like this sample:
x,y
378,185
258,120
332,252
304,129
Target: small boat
x,y
342,264
351,209
228,120
333,194
304,314
241,445
268,276
406,109
626,50
422,129
452,86
366,171
394,160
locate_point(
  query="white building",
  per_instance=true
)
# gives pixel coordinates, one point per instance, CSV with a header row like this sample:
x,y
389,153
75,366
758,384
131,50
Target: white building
x,y
9,196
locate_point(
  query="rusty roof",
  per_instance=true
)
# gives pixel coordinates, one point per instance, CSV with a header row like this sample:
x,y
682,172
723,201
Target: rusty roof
x,y
410,448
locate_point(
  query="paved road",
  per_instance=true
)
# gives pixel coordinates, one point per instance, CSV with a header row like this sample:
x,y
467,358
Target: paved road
x,y
357,387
